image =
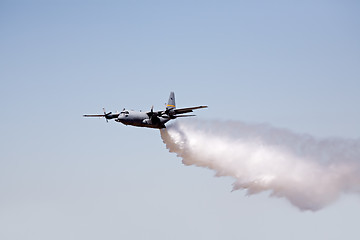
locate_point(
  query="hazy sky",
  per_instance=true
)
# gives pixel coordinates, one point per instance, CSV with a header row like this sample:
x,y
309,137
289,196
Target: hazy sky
x,y
290,64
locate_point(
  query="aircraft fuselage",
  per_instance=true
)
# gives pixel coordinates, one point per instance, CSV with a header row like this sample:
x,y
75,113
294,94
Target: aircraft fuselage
x,y
140,119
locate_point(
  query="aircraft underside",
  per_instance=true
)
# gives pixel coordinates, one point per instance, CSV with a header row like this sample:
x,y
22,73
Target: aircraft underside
x,y
157,126
143,123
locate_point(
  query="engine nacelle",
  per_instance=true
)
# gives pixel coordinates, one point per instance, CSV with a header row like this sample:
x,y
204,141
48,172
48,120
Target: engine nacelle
x,y
171,113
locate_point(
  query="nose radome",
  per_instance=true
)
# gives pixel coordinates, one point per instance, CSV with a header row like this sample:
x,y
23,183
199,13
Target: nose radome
x,y
119,119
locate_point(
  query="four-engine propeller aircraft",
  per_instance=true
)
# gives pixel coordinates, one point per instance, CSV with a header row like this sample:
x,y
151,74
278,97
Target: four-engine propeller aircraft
x,y
149,119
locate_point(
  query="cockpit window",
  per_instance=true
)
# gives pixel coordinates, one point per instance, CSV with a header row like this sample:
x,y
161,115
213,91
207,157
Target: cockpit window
x,y
124,113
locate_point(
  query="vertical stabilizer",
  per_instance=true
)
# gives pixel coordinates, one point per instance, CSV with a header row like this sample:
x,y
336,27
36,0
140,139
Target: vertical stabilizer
x,y
171,102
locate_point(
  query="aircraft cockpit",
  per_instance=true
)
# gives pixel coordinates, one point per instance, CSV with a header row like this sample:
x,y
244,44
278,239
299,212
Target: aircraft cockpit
x,y
124,113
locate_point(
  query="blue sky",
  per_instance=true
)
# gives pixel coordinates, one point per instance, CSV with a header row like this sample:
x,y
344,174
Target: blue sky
x,y
290,64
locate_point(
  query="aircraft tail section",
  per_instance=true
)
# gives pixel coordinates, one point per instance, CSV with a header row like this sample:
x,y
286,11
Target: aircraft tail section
x,y
171,102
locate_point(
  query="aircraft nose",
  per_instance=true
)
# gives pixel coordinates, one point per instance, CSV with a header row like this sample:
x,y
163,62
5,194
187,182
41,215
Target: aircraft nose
x,y
119,119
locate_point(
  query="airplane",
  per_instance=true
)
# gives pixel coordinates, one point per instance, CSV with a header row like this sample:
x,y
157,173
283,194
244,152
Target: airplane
x,y
148,119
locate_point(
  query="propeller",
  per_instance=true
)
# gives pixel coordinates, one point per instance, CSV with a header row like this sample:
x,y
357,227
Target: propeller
x,y
153,116
168,113
106,115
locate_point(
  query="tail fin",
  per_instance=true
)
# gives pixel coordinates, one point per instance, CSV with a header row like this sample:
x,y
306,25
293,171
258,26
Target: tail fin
x,y
171,102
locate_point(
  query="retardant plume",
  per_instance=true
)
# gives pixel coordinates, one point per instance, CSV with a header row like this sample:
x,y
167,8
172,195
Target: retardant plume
x,y
308,172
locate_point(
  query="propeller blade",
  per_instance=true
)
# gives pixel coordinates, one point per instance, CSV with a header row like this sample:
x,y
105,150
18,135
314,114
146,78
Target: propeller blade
x,y
106,114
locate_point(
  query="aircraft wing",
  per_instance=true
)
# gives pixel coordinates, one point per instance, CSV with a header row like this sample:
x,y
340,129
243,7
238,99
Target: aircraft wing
x,y
175,112
94,115
187,110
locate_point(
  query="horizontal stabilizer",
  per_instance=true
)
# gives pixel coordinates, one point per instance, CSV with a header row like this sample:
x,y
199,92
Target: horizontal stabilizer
x,y
186,110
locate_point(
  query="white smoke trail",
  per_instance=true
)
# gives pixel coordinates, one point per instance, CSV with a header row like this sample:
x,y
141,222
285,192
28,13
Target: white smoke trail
x,y
309,172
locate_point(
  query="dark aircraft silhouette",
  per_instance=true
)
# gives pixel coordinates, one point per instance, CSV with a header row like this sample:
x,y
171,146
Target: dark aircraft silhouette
x,y
148,119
